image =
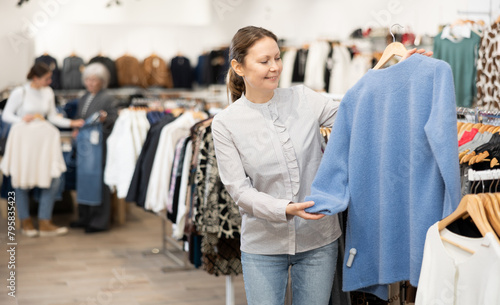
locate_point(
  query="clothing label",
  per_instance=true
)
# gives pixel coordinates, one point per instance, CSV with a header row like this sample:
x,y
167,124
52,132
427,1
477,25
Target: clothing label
x,y
94,137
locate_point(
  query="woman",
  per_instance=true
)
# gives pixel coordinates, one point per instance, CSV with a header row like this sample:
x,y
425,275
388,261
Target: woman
x,y
96,78
268,148
36,99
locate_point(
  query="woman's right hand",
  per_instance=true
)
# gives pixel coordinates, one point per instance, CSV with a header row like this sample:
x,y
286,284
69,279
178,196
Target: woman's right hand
x,y
28,118
297,209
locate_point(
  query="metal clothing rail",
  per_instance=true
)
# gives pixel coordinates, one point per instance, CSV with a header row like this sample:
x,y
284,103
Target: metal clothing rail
x,y
166,240
183,264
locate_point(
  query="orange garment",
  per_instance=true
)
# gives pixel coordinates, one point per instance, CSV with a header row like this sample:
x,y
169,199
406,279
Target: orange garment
x,y
129,72
156,72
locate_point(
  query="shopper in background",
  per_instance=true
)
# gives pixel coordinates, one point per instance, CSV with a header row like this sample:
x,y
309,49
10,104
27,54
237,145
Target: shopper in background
x,y
96,78
26,103
268,149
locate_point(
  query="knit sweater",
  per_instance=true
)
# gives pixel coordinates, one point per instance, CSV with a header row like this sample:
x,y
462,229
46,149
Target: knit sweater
x,y
392,159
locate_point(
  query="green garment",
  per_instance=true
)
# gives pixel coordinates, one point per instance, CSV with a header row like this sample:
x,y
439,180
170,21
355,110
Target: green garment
x,y
461,55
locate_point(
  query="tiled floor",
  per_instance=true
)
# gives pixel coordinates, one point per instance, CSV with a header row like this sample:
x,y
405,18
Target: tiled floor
x,y
106,268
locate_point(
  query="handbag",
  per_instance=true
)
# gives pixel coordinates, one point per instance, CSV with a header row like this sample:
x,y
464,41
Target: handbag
x,y
5,128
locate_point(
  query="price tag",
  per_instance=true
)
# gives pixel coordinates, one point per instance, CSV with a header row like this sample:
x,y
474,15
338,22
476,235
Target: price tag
x,y
94,137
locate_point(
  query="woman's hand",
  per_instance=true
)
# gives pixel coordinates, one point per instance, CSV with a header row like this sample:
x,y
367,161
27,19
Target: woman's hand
x,y
77,123
297,209
74,133
28,118
102,116
419,51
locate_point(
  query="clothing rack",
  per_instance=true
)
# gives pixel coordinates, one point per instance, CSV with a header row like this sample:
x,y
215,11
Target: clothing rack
x,y
166,240
490,117
468,115
490,174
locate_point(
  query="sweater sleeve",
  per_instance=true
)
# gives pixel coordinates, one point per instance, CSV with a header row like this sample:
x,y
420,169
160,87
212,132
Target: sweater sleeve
x,y
441,132
53,116
325,109
13,103
330,190
238,184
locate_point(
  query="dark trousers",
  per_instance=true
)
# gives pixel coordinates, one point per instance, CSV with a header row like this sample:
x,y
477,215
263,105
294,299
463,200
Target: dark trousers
x,y
97,217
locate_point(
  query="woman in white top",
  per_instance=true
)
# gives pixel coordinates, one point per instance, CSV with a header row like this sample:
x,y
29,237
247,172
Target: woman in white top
x,y
27,103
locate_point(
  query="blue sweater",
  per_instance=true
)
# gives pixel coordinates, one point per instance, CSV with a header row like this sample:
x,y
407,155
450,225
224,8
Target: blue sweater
x,y
392,159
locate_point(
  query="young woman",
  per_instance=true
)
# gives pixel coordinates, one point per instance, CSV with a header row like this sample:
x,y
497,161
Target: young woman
x,y
268,148
25,103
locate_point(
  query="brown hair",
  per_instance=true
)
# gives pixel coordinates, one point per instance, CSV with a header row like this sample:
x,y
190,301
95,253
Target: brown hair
x,y
243,40
39,69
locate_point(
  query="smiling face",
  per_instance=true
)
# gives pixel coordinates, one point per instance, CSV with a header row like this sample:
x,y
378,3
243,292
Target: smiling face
x,y
261,68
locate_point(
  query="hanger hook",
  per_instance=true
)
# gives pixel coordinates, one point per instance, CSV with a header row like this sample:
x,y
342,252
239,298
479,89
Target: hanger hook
x,y
390,30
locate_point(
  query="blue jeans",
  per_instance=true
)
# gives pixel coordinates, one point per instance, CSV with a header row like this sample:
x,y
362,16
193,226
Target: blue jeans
x,y
89,165
45,204
312,272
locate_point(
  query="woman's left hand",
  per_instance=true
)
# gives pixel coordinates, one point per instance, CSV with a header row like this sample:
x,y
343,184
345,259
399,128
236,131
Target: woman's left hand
x,y
419,51
103,115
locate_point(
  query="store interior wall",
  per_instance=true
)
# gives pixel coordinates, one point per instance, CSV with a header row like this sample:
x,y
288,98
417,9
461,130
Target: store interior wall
x,y
190,27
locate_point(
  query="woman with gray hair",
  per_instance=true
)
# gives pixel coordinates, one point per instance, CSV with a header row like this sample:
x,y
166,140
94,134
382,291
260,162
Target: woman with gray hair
x,y
95,77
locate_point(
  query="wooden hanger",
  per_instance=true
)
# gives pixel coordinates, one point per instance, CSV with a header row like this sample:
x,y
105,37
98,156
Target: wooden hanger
x,y
177,111
471,205
491,213
393,49
479,206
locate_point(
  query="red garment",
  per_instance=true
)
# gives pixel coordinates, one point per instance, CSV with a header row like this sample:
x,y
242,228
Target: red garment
x,y
468,136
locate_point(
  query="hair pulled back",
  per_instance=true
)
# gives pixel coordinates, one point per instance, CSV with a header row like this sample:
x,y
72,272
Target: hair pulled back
x,y
39,69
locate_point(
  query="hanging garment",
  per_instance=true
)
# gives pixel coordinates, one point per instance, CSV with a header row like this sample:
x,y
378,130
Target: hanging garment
x,y
129,72
172,200
182,73
71,75
314,76
488,69
452,276
124,146
143,168
216,211
216,215
183,202
156,72
89,146
110,65
157,192
202,70
56,73
219,65
397,174
299,67
33,155
340,80
288,61
461,54
221,256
